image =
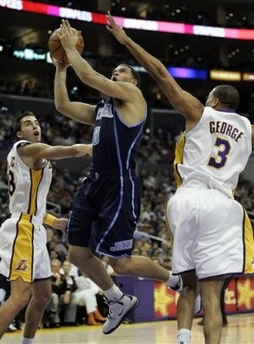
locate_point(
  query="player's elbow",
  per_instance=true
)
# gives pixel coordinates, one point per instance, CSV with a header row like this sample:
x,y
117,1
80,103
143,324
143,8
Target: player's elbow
x,y
62,107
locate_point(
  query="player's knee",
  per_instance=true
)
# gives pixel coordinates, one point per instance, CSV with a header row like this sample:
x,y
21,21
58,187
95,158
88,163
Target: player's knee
x,y
78,256
20,300
44,298
120,268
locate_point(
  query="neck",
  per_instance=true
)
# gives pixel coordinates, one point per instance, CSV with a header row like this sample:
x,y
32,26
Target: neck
x,y
227,110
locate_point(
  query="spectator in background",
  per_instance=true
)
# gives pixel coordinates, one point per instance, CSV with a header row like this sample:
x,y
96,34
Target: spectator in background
x,y
51,316
85,295
67,297
5,289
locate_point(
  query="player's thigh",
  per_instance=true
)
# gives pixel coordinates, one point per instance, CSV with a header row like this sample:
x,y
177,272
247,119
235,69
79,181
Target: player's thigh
x,y
113,235
80,220
220,249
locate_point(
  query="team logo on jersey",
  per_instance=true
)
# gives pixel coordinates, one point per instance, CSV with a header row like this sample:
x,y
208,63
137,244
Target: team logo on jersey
x,y
22,265
105,111
122,245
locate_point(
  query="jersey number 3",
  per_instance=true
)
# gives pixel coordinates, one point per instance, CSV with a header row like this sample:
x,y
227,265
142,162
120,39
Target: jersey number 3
x,y
220,159
11,182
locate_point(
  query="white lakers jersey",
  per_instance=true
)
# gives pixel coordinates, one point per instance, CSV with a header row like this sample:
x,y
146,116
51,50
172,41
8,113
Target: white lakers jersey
x,y
214,152
28,188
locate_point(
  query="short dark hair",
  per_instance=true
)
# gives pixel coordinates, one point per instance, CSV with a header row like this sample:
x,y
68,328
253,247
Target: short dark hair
x,y
134,73
17,126
228,96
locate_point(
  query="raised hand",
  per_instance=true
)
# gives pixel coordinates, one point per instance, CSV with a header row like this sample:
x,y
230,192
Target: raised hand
x,y
116,30
67,37
60,65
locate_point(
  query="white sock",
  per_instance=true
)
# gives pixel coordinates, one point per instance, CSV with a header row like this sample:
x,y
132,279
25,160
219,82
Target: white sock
x,y
184,336
173,280
113,293
27,340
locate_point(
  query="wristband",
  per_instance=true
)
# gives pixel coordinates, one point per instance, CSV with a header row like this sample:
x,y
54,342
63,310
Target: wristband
x,y
49,219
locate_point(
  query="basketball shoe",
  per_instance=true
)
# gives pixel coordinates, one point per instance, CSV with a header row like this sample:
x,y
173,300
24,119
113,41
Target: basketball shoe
x,y
118,310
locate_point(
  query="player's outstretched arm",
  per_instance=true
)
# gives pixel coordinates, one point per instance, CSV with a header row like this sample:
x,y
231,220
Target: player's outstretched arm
x,y
182,101
119,90
55,222
79,112
44,151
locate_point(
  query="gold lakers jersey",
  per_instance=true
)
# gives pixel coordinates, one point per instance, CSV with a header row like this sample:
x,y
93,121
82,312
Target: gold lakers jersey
x,y
214,152
28,188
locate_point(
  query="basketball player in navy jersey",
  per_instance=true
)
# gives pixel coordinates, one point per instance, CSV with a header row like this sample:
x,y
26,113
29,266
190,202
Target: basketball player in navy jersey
x,y
212,232
24,258
107,206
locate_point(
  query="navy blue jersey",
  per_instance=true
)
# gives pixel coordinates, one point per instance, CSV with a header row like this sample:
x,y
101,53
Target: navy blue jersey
x,y
106,207
115,143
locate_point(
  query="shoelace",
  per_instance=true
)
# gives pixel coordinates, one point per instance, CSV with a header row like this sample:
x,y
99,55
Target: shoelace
x,y
110,312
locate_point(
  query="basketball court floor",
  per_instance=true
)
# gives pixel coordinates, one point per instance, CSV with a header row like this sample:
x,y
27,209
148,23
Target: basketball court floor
x,y
240,330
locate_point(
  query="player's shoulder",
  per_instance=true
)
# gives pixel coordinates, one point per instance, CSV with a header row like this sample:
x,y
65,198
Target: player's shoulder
x,y
21,143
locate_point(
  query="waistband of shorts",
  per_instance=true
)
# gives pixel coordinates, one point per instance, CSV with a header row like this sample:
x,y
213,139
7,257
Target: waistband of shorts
x,y
111,173
37,220
200,191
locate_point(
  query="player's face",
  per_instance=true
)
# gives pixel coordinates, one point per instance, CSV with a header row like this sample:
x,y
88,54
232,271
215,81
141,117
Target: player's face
x,y
30,129
122,73
211,100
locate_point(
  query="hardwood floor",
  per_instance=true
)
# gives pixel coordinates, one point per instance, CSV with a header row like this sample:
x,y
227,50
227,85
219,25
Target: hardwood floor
x,y
239,331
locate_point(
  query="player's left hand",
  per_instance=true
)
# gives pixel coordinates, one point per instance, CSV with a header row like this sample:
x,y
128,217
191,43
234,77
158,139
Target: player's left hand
x,y
60,65
84,149
60,223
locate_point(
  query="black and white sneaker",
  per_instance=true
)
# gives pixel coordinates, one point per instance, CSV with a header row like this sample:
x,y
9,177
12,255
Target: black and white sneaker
x,y
12,327
118,310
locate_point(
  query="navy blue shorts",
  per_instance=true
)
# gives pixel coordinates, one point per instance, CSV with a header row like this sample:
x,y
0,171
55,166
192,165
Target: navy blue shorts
x,y
105,212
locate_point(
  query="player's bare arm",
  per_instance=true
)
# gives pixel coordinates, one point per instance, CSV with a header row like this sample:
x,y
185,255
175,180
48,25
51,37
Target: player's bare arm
x,y
43,151
184,102
252,127
80,112
55,222
120,90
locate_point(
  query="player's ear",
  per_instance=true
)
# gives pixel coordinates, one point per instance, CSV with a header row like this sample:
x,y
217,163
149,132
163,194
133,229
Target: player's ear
x,y
19,134
216,101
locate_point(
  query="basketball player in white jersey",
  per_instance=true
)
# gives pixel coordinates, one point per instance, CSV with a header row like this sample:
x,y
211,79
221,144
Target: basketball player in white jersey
x,y
212,233
24,258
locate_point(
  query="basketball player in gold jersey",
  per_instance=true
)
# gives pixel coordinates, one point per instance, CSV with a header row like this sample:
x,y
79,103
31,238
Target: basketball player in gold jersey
x,y
24,258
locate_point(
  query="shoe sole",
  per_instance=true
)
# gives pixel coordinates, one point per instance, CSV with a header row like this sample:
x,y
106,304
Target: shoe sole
x,y
134,306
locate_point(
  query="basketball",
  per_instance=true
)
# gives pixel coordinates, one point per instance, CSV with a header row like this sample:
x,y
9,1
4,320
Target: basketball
x,y
55,47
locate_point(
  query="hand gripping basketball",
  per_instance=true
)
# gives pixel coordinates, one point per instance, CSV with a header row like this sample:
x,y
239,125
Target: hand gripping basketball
x,y
57,51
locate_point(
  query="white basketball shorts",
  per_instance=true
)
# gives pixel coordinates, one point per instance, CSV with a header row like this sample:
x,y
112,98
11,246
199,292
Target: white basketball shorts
x,y
23,250
212,233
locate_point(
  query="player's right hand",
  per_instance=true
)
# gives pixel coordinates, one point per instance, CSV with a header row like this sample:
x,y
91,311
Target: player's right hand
x,y
116,30
60,65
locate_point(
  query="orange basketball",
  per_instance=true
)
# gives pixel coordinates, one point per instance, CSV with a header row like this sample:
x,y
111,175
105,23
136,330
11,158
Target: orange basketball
x,y
55,47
